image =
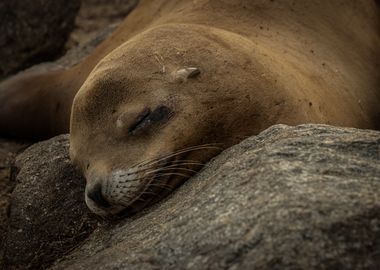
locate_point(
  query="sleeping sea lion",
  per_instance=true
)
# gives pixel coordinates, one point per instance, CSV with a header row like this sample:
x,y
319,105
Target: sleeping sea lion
x,y
179,81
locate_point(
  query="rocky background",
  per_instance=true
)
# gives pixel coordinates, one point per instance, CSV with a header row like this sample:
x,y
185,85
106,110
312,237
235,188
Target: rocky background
x,y
33,31
96,15
36,31
305,197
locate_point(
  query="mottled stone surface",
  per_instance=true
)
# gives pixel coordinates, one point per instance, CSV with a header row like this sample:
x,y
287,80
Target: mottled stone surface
x,y
48,216
8,152
33,31
305,197
96,15
96,21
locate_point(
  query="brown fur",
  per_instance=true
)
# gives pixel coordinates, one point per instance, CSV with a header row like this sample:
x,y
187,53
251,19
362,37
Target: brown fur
x,y
261,63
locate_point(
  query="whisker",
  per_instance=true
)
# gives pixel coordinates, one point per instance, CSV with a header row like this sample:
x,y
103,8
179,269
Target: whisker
x,y
188,160
149,192
170,169
184,164
124,185
186,150
168,187
154,175
146,167
178,152
143,169
170,174
126,201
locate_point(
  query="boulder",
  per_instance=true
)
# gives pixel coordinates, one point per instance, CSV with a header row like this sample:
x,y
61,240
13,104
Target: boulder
x,y
48,216
96,21
304,197
8,151
95,15
33,31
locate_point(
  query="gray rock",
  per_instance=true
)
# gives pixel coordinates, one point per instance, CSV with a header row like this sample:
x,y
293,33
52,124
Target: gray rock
x,y
95,15
305,197
33,31
48,216
78,53
8,152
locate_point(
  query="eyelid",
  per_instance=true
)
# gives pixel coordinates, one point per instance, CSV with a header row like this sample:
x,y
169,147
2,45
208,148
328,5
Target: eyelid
x,y
148,118
144,114
161,113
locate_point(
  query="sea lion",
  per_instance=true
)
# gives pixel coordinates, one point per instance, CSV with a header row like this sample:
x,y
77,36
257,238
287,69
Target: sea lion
x,y
181,80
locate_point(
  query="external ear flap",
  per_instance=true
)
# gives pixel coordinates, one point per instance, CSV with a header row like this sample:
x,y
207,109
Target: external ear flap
x,y
183,74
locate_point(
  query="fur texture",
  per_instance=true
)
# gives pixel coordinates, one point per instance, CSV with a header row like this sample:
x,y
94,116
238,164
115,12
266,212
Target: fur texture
x,y
224,70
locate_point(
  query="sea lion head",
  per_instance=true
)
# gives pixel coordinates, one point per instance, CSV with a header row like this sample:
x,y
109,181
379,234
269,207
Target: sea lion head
x,y
149,115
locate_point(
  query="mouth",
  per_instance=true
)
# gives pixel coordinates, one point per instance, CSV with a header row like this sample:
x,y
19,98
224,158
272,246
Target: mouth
x,y
156,189
157,177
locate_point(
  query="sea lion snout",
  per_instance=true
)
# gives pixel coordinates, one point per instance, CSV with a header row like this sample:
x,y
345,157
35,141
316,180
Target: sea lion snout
x,y
109,193
96,195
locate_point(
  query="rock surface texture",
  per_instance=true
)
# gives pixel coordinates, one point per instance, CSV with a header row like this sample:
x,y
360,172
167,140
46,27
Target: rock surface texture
x,y
305,197
48,216
8,152
95,15
33,31
96,20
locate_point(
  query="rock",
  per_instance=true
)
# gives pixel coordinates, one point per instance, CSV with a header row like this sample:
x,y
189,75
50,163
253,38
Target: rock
x,y
304,197
96,21
96,15
48,216
33,31
8,152
76,54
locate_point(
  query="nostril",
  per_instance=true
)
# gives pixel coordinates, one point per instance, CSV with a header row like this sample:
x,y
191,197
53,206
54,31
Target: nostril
x,y
96,195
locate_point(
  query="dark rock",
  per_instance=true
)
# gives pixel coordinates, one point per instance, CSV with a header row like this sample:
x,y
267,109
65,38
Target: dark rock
x,y
95,15
33,31
303,197
78,53
8,152
90,31
48,216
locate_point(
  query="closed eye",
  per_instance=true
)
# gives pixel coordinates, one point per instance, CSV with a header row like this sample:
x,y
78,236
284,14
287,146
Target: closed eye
x,y
148,118
140,119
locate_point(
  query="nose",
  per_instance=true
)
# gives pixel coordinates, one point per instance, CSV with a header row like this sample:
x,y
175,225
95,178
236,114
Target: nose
x,y
95,194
